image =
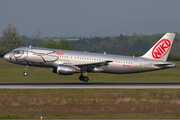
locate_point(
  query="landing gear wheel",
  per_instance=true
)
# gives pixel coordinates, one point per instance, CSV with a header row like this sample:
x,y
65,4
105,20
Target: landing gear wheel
x,y
86,79
81,78
25,73
26,69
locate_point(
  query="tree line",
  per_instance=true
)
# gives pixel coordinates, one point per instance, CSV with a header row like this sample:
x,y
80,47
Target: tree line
x,y
10,40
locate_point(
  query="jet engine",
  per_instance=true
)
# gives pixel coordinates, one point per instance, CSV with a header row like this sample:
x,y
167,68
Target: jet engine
x,y
64,70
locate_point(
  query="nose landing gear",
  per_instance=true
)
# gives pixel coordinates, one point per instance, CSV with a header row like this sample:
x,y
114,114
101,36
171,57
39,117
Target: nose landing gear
x,y
26,69
83,78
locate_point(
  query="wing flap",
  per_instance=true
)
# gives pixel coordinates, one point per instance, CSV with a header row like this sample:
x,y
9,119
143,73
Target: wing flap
x,y
91,63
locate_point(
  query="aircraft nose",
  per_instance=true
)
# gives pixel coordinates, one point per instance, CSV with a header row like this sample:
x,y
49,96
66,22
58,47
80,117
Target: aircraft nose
x,y
6,56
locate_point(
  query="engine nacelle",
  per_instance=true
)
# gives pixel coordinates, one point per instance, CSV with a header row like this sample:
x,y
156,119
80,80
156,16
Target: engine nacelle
x,y
98,70
64,70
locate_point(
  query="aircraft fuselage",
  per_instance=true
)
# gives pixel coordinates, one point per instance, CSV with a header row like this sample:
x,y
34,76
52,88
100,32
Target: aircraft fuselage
x,y
43,57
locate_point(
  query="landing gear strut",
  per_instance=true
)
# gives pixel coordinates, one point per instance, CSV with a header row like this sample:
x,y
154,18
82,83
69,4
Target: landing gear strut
x,y
26,69
83,78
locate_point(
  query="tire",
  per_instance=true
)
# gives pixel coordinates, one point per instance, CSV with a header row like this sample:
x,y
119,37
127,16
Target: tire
x,y
81,78
86,79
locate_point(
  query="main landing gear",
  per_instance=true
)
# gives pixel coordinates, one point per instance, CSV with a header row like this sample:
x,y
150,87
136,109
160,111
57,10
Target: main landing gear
x,y
26,69
83,78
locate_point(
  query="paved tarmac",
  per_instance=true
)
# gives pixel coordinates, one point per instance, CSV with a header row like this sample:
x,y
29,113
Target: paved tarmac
x,y
89,85
93,119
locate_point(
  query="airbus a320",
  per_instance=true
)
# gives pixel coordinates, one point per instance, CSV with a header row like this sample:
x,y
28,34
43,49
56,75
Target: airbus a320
x,y
65,62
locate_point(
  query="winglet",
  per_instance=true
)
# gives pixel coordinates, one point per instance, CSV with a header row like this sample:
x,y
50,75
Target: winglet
x,y
160,50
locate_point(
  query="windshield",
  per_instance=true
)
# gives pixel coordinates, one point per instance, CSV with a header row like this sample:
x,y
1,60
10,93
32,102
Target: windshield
x,y
18,52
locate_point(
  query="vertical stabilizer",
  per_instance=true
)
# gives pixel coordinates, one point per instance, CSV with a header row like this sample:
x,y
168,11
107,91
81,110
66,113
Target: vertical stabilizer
x,y
161,49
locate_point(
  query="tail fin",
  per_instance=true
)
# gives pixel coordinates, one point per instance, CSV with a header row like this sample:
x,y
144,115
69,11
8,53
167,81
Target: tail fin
x,y
160,50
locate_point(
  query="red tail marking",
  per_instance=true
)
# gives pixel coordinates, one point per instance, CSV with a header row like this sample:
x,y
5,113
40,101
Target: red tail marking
x,y
161,48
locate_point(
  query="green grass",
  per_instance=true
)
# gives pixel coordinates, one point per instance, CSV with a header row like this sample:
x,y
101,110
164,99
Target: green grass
x,y
90,103
14,73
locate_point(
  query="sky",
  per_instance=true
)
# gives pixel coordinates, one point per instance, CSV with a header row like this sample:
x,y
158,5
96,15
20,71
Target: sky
x,y
55,18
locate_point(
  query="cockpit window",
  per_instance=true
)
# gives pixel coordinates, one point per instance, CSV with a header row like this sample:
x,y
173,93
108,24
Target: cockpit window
x,y
18,52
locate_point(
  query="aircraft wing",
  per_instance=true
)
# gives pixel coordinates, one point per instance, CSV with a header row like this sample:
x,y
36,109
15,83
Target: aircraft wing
x,y
93,63
90,66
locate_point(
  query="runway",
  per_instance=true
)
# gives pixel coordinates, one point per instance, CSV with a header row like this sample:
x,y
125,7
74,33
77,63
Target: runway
x,y
89,85
93,119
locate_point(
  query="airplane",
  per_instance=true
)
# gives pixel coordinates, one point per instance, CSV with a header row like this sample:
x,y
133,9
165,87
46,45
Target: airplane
x,y
65,62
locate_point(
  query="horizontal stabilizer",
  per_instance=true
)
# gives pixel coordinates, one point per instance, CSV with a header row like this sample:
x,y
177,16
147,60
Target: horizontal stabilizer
x,y
164,65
